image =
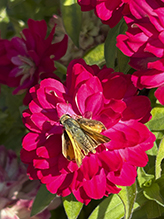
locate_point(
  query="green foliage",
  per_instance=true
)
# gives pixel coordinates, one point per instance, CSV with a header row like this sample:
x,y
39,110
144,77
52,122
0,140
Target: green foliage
x,y
110,49
157,121
95,55
15,13
60,71
128,196
72,206
72,16
11,126
150,192
42,200
153,193
144,179
159,158
122,62
111,207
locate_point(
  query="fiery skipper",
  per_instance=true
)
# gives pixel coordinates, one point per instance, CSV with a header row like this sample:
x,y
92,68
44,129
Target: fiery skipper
x,y
80,137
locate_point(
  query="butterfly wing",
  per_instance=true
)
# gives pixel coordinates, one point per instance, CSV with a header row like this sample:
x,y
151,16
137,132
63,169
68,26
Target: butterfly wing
x,y
67,148
78,154
92,125
71,149
97,138
92,129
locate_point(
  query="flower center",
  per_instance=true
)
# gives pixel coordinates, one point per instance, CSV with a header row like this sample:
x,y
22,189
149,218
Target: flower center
x,y
26,67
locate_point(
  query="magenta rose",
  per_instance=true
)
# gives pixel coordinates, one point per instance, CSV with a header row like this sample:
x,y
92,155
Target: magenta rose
x,y
110,12
144,44
27,60
104,95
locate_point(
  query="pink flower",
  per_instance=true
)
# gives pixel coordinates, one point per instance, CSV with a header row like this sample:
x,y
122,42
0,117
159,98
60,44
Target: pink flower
x,y
27,60
17,192
101,95
144,44
111,12
22,209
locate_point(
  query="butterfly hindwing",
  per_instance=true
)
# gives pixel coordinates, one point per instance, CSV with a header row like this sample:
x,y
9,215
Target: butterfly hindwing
x,y
67,148
71,149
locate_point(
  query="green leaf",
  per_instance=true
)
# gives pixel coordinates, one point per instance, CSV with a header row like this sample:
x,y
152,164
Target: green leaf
x,y
152,97
12,140
144,179
111,207
4,18
159,135
153,210
72,206
95,56
3,15
159,158
139,214
61,70
153,193
153,151
128,196
13,3
123,62
150,210
157,121
122,59
42,200
72,18
11,126
110,46
61,67
69,2
160,183
110,49
141,199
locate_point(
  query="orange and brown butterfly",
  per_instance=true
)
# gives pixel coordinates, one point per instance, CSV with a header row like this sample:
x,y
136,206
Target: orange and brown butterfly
x,y
80,137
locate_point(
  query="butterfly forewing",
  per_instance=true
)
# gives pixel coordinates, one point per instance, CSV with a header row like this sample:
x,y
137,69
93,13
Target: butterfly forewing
x,y
97,138
93,128
92,125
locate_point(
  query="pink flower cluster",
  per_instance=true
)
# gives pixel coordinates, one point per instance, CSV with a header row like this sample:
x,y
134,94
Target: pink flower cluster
x,y
105,96
27,60
17,192
27,64
144,44
110,12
